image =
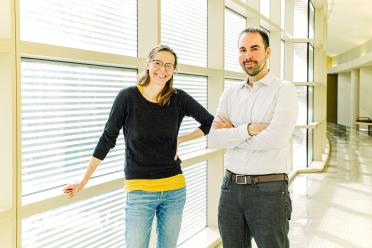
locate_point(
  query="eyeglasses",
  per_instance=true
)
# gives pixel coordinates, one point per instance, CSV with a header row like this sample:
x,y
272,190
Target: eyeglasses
x,y
159,64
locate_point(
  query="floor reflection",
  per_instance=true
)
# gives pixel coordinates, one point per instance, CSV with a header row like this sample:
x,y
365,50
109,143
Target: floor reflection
x,y
334,209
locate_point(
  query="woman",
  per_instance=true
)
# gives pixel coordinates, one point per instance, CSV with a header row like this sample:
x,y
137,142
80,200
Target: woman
x,y
150,115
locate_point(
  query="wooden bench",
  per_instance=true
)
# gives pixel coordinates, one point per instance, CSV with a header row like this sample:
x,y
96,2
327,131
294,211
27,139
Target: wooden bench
x,y
364,121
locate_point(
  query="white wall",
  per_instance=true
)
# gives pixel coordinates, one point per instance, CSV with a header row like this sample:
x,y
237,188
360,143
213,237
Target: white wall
x,y
344,99
365,102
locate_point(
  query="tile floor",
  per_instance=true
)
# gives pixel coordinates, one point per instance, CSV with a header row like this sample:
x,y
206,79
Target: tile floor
x,y
334,208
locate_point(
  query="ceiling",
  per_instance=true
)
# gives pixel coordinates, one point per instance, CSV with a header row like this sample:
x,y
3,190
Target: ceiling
x,y
349,25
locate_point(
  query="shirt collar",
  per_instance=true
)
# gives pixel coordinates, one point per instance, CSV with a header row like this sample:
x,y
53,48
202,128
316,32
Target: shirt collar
x,y
266,80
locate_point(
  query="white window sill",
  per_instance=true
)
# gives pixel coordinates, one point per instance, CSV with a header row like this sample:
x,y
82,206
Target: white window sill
x,y
207,238
54,198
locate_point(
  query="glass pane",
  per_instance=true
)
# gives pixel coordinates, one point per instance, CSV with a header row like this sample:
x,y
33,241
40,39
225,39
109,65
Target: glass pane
x,y
184,28
106,26
310,139
64,109
282,14
95,222
300,22
234,25
302,104
299,145
282,59
311,21
300,68
231,82
195,86
310,107
195,212
265,7
311,63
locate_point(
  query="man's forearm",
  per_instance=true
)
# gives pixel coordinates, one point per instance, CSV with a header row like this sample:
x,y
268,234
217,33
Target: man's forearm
x,y
228,137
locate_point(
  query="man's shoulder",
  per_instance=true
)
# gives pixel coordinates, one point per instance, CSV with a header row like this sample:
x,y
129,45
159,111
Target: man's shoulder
x,y
233,89
281,84
285,84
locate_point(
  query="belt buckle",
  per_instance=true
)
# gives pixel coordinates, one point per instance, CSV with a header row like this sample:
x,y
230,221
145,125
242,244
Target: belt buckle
x,y
240,176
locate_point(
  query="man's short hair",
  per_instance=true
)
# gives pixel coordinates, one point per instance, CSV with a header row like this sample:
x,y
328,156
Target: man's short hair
x,y
263,33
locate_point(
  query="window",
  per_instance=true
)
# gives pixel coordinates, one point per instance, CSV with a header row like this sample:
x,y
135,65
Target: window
x,y
265,8
105,26
302,105
300,62
64,109
299,144
195,86
282,59
282,14
231,82
234,25
195,213
95,222
300,21
311,20
184,29
310,63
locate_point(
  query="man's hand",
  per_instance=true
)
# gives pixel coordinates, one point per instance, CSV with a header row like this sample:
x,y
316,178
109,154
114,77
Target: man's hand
x,y
221,122
256,128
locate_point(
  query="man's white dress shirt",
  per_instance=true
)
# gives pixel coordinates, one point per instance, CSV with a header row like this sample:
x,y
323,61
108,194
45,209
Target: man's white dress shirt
x,y
271,101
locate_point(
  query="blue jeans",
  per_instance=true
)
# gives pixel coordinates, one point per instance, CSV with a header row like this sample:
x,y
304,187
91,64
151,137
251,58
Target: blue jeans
x,y
259,211
140,210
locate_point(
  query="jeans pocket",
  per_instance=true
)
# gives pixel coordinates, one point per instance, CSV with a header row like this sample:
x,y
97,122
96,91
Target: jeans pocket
x,y
226,183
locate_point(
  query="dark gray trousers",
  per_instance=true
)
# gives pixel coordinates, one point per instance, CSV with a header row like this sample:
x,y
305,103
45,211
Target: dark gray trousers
x,y
259,211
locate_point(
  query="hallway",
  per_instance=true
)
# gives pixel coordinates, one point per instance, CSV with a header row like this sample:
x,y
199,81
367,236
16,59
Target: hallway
x,y
334,208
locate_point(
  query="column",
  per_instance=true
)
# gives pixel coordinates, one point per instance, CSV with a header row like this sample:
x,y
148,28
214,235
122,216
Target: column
x,y
354,85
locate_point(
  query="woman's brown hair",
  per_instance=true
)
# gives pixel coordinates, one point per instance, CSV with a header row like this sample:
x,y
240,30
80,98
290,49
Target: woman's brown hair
x,y
164,96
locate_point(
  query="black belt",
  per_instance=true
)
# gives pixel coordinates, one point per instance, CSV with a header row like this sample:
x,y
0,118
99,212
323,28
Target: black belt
x,y
253,179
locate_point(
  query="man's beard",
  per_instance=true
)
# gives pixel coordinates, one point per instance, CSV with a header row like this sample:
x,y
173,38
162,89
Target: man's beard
x,y
255,69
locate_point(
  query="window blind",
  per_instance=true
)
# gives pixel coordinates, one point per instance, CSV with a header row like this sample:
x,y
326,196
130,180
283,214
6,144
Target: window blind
x,y
282,59
234,25
310,102
231,82
311,63
300,62
311,20
184,28
195,86
299,144
300,21
195,213
106,26
282,14
310,141
302,104
64,108
95,222
265,8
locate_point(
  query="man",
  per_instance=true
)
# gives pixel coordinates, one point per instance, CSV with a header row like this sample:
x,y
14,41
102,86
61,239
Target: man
x,y
255,122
